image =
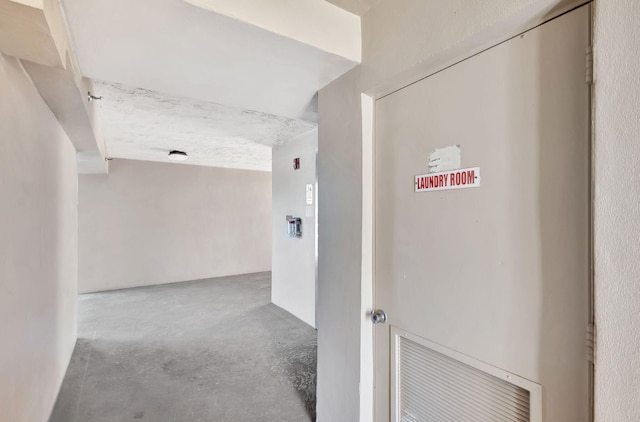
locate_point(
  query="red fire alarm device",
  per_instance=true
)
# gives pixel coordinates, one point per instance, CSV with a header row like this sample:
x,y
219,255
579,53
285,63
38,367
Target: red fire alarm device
x,y
296,163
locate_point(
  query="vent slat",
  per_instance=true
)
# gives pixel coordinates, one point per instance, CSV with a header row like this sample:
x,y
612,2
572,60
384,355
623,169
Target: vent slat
x,y
497,391
469,388
466,386
482,378
424,414
489,414
497,413
469,392
437,388
445,413
444,391
444,394
439,404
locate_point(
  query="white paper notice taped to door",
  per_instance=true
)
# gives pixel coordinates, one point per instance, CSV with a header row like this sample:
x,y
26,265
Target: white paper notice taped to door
x,y
452,179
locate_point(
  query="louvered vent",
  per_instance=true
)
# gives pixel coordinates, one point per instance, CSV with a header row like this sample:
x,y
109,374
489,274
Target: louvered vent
x,y
434,387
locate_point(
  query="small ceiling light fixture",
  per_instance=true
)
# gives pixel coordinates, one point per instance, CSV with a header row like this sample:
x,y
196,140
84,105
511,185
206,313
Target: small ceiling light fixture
x,y
177,155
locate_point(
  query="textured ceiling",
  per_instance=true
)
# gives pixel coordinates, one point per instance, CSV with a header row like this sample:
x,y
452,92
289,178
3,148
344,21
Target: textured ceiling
x,y
141,124
182,77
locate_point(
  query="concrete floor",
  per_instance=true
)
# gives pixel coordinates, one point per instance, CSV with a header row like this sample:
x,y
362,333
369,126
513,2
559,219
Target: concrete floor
x,y
210,350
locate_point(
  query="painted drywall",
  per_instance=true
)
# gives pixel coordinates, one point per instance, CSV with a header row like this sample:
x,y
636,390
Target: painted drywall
x,y
402,41
35,31
38,249
151,223
24,33
315,22
617,210
38,4
293,285
359,7
57,87
227,61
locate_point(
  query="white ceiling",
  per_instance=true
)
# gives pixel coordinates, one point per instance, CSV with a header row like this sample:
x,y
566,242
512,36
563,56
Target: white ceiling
x,y
145,125
314,22
177,76
358,7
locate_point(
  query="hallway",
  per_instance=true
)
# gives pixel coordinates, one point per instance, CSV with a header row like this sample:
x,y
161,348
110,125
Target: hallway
x,y
208,350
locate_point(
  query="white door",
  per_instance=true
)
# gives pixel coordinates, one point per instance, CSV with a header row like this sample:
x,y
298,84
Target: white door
x,y
486,289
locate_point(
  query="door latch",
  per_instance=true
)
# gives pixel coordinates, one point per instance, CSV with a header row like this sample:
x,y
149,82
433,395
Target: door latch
x,y
378,316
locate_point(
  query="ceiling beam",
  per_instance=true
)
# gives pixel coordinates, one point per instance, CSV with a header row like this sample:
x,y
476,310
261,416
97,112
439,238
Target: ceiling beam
x,y
314,22
35,32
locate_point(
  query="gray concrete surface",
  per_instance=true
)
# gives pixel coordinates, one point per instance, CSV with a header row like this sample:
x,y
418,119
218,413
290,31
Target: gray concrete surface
x,y
209,350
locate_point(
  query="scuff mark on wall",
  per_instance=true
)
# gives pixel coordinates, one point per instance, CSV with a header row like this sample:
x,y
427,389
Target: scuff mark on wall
x,y
447,158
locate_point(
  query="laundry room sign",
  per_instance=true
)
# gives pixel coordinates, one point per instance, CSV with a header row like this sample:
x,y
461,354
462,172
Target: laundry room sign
x,y
451,179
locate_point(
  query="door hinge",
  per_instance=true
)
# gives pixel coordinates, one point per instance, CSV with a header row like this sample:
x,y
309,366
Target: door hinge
x,y
591,343
589,64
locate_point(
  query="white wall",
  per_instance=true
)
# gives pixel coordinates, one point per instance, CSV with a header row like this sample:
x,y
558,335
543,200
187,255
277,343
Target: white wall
x,y
38,249
617,209
402,41
293,281
152,223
